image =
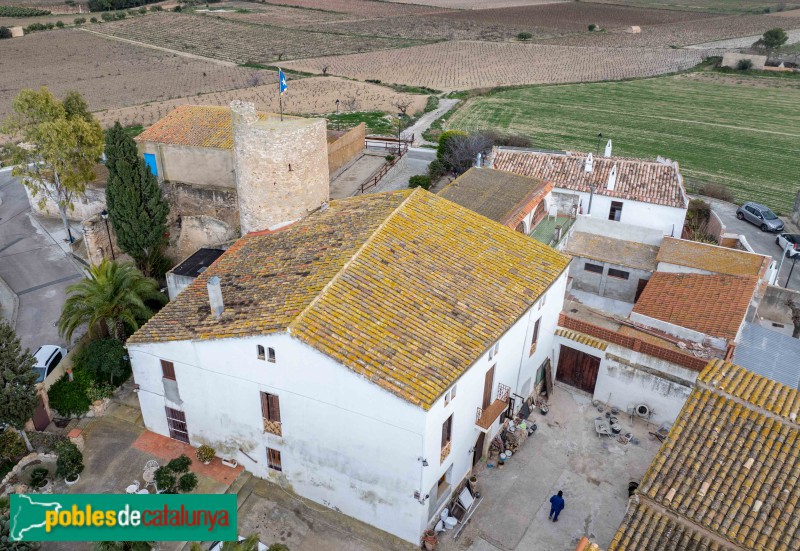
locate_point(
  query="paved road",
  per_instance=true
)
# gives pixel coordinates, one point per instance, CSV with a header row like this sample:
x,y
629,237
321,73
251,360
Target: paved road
x,y
762,242
427,119
33,265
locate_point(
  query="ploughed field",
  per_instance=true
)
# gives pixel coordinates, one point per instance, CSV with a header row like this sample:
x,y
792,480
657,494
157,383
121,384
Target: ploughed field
x,y
738,131
724,6
467,65
240,42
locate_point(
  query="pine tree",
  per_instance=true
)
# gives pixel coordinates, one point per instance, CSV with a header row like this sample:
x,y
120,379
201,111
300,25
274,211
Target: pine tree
x,y
136,205
18,396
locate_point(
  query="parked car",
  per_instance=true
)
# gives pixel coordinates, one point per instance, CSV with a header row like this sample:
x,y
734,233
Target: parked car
x,y
791,240
761,216
47,358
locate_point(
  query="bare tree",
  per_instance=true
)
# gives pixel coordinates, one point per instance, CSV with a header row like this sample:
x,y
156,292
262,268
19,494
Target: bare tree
x,y
350,103
325,69
794,306
461,151
402,104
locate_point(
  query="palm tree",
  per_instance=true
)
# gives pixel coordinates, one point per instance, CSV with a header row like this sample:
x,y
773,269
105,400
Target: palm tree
x,y
111,298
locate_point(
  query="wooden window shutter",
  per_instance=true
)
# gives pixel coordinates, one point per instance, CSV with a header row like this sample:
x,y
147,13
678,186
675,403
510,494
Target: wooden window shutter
x,y
447,428
274,408
265,405
168,369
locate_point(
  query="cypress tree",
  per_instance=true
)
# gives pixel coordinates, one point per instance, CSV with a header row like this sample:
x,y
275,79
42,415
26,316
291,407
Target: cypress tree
x,y
136,206
18,396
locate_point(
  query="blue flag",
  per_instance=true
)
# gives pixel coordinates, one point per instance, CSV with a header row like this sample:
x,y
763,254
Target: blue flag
x,y
281,82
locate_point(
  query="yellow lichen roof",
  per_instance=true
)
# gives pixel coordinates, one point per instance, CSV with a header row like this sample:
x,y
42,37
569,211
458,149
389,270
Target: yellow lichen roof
x,y
409,292
729,467
614,251
712,258
195,125
581,338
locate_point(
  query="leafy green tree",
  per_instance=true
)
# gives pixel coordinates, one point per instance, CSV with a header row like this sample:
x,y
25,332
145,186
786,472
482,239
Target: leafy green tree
x,y
62,144
11,446
105,359
111,301
175,476
18,397
772,39
136,205
69,463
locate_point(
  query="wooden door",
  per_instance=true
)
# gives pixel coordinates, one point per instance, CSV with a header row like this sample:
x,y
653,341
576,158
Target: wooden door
x,y
639,288
478,453
577,369
40,417
487,388
176,421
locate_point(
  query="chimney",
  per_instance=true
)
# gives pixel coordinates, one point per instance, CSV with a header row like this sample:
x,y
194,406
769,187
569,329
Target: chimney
x,y
589,161
478,159
612,177
608,149
215,297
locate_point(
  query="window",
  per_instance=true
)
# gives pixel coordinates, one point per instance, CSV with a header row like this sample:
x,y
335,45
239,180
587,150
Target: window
x,y
271,355
447,431
150,161
619,274
262,355
594,268
616,211
270,407
447,398
168,369
274,459
453,392
535,337
176,421
543,301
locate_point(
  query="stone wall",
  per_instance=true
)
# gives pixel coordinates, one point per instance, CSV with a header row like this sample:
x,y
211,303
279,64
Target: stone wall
x,y
200,231
566,203
97,243
347,146
186,199
732,59
86,206
281,167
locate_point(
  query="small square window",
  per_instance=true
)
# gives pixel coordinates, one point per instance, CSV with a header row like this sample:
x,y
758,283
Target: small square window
x,y
619,274
262,355
453,392
271,354
594,268
274,459
168,370
447,398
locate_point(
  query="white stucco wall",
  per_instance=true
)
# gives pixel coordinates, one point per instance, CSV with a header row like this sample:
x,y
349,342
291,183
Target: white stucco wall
x,y
346,442
669,220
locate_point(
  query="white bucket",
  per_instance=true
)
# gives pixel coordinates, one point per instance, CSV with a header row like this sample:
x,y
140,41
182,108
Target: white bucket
x,y
450,522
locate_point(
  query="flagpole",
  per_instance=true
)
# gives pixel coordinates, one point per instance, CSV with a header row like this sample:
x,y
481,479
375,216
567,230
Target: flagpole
x,y
280,102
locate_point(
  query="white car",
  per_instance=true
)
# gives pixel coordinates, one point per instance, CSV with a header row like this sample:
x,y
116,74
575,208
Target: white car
x,y
217,545
47,358
791,240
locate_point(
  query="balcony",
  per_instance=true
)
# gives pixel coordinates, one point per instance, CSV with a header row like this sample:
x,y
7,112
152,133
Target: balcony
x,y
273,427
485,417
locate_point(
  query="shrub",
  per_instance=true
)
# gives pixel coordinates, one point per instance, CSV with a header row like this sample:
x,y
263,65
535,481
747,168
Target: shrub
x,y
70,397
444,141
60,24
744,64
69,463
99,391
39,477
107,16
5,32
592,27
15,11
12,447
524,36
278,547
180,464
51,25
105,359
93,20
699,211
420,180
436,170
176,8
187,482
175,476
389,158
79,20
717,191
205,453
142,10
120,15
156,8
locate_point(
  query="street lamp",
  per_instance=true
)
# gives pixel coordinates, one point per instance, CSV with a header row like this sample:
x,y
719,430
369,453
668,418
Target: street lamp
x,y
104,216
399,122
337,114
599,137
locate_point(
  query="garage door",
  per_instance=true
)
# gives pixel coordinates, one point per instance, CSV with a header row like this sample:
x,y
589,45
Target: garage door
x,y
577,369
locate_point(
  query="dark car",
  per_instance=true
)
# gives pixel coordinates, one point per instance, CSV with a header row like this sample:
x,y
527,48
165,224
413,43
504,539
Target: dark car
x,y
761,216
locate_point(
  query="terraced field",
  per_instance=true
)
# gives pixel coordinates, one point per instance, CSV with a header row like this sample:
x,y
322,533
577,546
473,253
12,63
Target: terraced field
x,y
738,131
240,42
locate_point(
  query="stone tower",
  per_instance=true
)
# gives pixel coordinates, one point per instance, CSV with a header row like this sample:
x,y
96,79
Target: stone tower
x,y
281,167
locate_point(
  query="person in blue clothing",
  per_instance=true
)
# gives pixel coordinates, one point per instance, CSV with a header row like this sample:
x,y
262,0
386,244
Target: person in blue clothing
x,y
556,505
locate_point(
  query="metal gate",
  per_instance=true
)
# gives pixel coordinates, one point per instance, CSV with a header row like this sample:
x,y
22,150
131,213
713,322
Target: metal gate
x,y
577,369
176,421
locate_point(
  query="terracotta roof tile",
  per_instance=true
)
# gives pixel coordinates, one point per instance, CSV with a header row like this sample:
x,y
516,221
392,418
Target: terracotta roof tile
x,y
405,288
613,251
711,304
712,258
637,179
502,196
728,469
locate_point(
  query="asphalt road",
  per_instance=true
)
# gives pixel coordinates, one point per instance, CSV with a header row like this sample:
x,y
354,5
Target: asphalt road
x,y
762,242
34,265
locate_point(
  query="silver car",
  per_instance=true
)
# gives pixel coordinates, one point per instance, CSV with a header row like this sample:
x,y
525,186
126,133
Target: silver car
x,y
761,216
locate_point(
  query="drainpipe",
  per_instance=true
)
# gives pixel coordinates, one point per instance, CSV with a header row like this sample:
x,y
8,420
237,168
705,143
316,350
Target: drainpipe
x,y
591,195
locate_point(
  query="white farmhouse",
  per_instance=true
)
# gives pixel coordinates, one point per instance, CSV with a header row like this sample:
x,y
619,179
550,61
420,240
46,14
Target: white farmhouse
x,y
639,192
361,356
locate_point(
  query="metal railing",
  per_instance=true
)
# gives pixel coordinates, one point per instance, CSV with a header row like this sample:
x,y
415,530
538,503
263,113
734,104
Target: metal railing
x,y
373,182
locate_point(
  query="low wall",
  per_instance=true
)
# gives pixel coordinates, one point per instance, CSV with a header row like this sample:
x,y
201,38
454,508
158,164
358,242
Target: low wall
x,y
100,241
347,146
773,304
732,59
715,228
85,206
796,210
192,200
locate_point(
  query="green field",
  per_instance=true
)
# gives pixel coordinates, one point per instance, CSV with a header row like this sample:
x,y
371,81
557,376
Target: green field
x,y
743,132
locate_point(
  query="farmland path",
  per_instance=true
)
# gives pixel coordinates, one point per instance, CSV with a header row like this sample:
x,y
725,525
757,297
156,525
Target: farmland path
x,y
168,50
426,120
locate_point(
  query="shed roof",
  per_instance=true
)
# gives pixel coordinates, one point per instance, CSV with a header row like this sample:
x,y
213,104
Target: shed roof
x,y
711,304
637,179
405,288
502,196
712,258
769,354
726,471
614,251
197,263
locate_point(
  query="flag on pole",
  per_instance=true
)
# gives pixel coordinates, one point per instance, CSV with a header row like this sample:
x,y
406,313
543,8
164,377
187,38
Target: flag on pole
x,y
281,82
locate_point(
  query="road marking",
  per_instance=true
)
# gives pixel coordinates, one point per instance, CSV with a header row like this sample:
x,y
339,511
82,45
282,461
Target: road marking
x,y
14,242
43,285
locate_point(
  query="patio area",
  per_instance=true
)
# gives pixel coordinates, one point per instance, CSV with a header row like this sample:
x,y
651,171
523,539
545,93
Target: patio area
x,y
544,232
564,454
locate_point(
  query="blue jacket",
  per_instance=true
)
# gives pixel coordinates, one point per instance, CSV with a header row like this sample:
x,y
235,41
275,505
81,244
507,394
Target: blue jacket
x,y
557,502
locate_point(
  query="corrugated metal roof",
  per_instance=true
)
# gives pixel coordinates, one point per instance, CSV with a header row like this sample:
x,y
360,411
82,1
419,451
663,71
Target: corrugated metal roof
x,y
770,354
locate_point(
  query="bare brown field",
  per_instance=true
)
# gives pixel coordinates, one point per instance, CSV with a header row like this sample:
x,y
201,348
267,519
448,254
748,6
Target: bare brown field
x,y
363,8
267,14
314,95
476,4
680,34
719,6
468,65
108,73
240,42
